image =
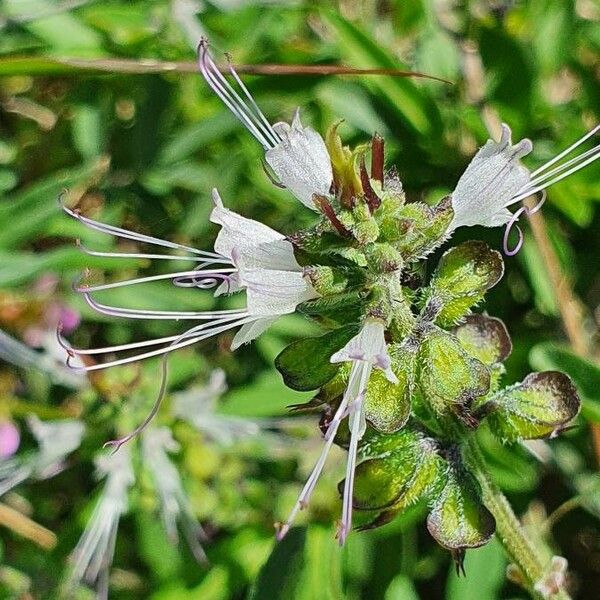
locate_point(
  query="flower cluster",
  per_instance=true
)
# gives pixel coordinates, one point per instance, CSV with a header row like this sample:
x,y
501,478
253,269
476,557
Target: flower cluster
x,y
405,372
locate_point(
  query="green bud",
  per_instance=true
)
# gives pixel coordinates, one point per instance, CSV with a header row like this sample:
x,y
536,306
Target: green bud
x,y
448,377
461,279
384,258
541,406
325,280
458,520
416,229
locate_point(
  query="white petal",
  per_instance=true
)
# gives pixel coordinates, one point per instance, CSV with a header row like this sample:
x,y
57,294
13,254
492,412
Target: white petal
x,y
490,182
251,331
250,243
272,292
238,232
368,346
301,161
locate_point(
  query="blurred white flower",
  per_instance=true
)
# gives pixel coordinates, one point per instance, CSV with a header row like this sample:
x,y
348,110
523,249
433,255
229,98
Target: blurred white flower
x,y
198,405
296,154
56,440
364,351
94,552
157,443
50,361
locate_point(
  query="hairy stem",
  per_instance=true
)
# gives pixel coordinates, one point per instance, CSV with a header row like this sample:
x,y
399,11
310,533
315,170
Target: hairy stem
x,y
511,534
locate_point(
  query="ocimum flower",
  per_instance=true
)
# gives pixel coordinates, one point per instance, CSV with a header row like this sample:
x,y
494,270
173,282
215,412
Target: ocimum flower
x,y
93,555
56,440
175,507
296,154
496,180
364,352
248,257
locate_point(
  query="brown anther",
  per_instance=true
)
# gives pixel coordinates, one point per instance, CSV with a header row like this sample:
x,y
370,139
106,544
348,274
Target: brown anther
x,y
373,200
325,207
377,158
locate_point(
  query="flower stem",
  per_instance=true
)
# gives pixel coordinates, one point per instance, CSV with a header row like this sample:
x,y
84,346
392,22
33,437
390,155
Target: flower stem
x,y
511,534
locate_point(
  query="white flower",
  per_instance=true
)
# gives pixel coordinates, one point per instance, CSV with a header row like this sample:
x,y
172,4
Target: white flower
x,y
364,351
94,552
56,440
157,443
492,179
249,257
495,180
198,406
296,154
51,361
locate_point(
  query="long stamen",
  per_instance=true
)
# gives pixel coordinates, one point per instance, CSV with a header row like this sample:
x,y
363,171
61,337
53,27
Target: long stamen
x,y
130,235
268,127
573,161
180,276
203,260
560,177
563,175
567,151
220,85
329,437
356,433
219,327
135,313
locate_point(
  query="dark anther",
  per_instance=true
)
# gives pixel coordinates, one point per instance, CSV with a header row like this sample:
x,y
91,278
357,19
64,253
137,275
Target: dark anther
x,y
325,207
377,158
373,199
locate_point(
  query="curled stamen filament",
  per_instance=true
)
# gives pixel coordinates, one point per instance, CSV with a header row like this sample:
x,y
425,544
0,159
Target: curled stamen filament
x,y
513,223
180,276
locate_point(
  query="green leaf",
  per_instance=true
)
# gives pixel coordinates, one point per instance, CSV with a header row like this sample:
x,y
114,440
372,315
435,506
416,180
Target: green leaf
x,y
400,477
458,519
306,564
447,376
540,406
463,275
412,104
306,364
584,373
485,338
387,405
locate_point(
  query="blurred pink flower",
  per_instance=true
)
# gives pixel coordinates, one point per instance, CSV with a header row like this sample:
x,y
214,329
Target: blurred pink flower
x,y
9,439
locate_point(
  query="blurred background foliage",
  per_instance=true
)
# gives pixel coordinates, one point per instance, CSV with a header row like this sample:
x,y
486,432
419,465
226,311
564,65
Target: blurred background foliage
x,y
144,149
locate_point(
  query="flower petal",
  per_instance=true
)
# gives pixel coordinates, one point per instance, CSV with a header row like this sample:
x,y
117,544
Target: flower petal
x,y
273,292
238,232
490,182
250,331
369,346
301,161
